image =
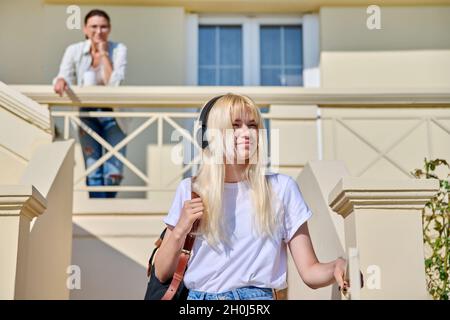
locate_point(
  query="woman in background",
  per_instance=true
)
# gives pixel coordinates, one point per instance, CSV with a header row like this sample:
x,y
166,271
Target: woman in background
x,y
96,62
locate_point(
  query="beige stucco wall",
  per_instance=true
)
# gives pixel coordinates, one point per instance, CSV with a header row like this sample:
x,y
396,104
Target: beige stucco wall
x,y
112,252
16,150
32,53
22,55
411,49
50,236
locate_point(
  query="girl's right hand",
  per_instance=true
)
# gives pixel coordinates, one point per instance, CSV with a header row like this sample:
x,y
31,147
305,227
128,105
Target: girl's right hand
x,y
191,211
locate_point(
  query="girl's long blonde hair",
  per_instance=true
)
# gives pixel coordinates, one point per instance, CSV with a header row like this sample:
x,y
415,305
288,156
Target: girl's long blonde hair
x,y
209,182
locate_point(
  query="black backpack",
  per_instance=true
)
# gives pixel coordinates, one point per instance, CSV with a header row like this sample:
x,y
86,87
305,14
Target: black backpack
x,y
157,289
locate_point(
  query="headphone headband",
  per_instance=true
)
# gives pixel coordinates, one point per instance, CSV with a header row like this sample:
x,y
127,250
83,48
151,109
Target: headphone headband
x,y
203,119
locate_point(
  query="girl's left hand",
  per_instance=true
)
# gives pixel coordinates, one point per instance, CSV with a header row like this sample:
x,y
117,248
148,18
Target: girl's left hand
x,y
339,274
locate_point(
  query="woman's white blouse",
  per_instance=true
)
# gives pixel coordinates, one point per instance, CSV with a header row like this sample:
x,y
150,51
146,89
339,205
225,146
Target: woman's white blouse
x,y
77,60
76,69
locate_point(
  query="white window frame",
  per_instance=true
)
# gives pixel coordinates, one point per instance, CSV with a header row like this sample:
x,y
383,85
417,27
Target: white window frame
x,y
250,45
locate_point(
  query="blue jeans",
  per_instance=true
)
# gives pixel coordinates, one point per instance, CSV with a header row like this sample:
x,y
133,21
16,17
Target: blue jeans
x,y
111,172
245,293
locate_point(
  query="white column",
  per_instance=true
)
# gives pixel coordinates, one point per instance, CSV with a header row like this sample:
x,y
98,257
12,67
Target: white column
x,y
383,220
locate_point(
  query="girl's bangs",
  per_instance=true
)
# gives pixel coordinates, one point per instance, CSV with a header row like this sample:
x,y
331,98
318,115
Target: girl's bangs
x,y
240,109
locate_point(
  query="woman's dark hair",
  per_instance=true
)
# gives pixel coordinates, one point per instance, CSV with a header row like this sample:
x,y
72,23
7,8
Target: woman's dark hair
x,y
96,12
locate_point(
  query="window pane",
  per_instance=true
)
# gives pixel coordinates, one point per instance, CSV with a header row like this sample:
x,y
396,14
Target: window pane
x,y
293,77
270,45
230,46
231,77
271,77
293,45
206,76
207,48
281,55
220,55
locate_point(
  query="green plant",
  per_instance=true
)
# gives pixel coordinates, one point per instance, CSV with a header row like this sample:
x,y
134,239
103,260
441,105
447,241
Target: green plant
x,y
436,230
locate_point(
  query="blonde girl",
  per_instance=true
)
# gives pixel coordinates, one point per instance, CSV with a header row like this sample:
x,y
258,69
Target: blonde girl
x,y
249,216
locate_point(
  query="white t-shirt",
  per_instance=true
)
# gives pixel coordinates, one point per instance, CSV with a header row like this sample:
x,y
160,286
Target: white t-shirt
x,y
249,260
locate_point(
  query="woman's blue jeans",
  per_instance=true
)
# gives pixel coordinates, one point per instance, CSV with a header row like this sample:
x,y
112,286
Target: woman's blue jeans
x,y
245,293
111,172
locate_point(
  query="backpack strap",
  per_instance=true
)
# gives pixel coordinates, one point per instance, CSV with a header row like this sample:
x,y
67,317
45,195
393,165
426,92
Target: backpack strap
x,y
157,245
184,258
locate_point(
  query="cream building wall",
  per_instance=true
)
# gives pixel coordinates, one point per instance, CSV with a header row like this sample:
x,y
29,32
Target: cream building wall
x,y
411,49
22,61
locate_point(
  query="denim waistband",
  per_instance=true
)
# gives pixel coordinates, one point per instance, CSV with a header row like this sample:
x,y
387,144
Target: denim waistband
x,y
244,293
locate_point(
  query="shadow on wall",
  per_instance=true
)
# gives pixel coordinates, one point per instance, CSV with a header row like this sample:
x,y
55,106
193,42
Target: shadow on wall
x,y
106,273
